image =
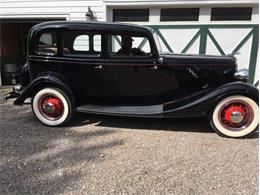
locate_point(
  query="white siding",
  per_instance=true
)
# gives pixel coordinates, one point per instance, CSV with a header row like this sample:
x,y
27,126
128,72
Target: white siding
x,y
72,10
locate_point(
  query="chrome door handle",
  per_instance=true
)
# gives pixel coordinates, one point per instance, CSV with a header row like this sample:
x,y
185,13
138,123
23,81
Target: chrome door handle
x,y
155,67
98,66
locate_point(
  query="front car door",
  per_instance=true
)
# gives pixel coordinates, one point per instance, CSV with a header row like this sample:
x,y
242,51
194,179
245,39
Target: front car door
x,y
128,78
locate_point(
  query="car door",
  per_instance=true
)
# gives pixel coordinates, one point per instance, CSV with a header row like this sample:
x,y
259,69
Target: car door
x,y
82,55
127,80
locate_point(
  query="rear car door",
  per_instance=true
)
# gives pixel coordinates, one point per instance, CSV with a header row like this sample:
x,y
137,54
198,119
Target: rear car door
x,y
82,55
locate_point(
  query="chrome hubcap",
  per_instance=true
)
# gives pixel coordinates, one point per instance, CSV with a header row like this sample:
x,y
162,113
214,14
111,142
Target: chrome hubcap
x,y
236,117
49,108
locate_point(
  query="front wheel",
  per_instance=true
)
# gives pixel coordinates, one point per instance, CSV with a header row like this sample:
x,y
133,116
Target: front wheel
x,y
52,106
235,116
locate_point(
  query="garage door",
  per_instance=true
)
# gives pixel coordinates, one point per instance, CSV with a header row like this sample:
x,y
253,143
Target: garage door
x,y
13,38
195,30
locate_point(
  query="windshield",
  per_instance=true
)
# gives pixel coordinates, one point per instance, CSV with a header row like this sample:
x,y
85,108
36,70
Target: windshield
x,y
157,42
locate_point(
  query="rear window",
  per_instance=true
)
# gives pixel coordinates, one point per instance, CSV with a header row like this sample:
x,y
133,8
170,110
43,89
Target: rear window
x,y
47,44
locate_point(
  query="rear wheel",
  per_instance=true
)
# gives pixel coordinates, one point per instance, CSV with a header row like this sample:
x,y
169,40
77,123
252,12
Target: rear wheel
x,y
235,116
52,106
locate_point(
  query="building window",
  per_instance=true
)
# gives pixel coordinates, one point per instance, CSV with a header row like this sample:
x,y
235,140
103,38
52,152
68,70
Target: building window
x,y
231,13
47,44
179,14
131,15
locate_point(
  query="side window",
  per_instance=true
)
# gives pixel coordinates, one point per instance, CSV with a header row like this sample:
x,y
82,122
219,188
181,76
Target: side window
x,y
47,44
81,43
142,43
115,44
76,43
97,43
128,46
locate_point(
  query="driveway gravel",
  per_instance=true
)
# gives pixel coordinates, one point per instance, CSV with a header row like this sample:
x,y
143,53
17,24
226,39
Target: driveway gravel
x,y
115,155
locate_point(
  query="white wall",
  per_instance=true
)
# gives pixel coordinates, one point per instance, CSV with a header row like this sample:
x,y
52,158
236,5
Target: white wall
x,y
69,9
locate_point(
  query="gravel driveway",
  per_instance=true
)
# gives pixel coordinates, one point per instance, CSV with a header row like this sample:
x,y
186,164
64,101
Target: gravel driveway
x,y
115,155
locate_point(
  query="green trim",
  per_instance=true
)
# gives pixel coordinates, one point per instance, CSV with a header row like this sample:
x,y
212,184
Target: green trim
x,y
203,40
202,25
238,47
142,43
194,38
253,55
117,40
164,41
216,43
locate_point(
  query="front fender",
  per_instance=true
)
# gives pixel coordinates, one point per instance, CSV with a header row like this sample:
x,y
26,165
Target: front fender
x,y
201,105
45,80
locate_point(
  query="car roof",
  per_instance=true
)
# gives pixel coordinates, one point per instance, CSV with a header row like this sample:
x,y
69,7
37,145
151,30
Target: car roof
x,y
108,26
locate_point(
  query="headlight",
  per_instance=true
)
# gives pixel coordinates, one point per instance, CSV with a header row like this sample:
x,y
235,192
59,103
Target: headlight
x,y
242,75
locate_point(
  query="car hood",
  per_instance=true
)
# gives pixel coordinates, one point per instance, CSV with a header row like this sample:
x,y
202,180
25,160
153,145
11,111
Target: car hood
x,y
186,59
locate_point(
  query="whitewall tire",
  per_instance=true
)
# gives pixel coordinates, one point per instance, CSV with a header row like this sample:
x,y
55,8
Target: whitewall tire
x,y
52,106
235,116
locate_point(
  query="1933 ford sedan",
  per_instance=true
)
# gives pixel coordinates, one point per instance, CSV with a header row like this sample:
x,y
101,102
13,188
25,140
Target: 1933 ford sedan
x,y
119,69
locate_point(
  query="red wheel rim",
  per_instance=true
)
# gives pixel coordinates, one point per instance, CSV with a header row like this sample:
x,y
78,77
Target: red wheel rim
x,y
236,115
51,107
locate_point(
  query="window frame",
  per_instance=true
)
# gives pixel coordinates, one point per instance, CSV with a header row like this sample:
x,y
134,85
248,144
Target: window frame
x,y
91,35
37,39
76,50
153,50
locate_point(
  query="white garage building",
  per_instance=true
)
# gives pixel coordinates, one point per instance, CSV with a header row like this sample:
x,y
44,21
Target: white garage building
x,y
188,26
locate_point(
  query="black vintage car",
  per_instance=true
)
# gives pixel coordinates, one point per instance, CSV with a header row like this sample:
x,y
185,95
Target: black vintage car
x,y
119,69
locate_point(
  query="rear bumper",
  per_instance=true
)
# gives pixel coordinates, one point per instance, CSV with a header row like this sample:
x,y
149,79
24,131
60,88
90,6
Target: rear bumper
x,y
17,90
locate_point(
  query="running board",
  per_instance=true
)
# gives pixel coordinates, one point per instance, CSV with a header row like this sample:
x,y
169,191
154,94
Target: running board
x,y
122,110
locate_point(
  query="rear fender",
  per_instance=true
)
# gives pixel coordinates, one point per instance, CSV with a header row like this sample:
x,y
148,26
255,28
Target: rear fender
x,y
48,79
